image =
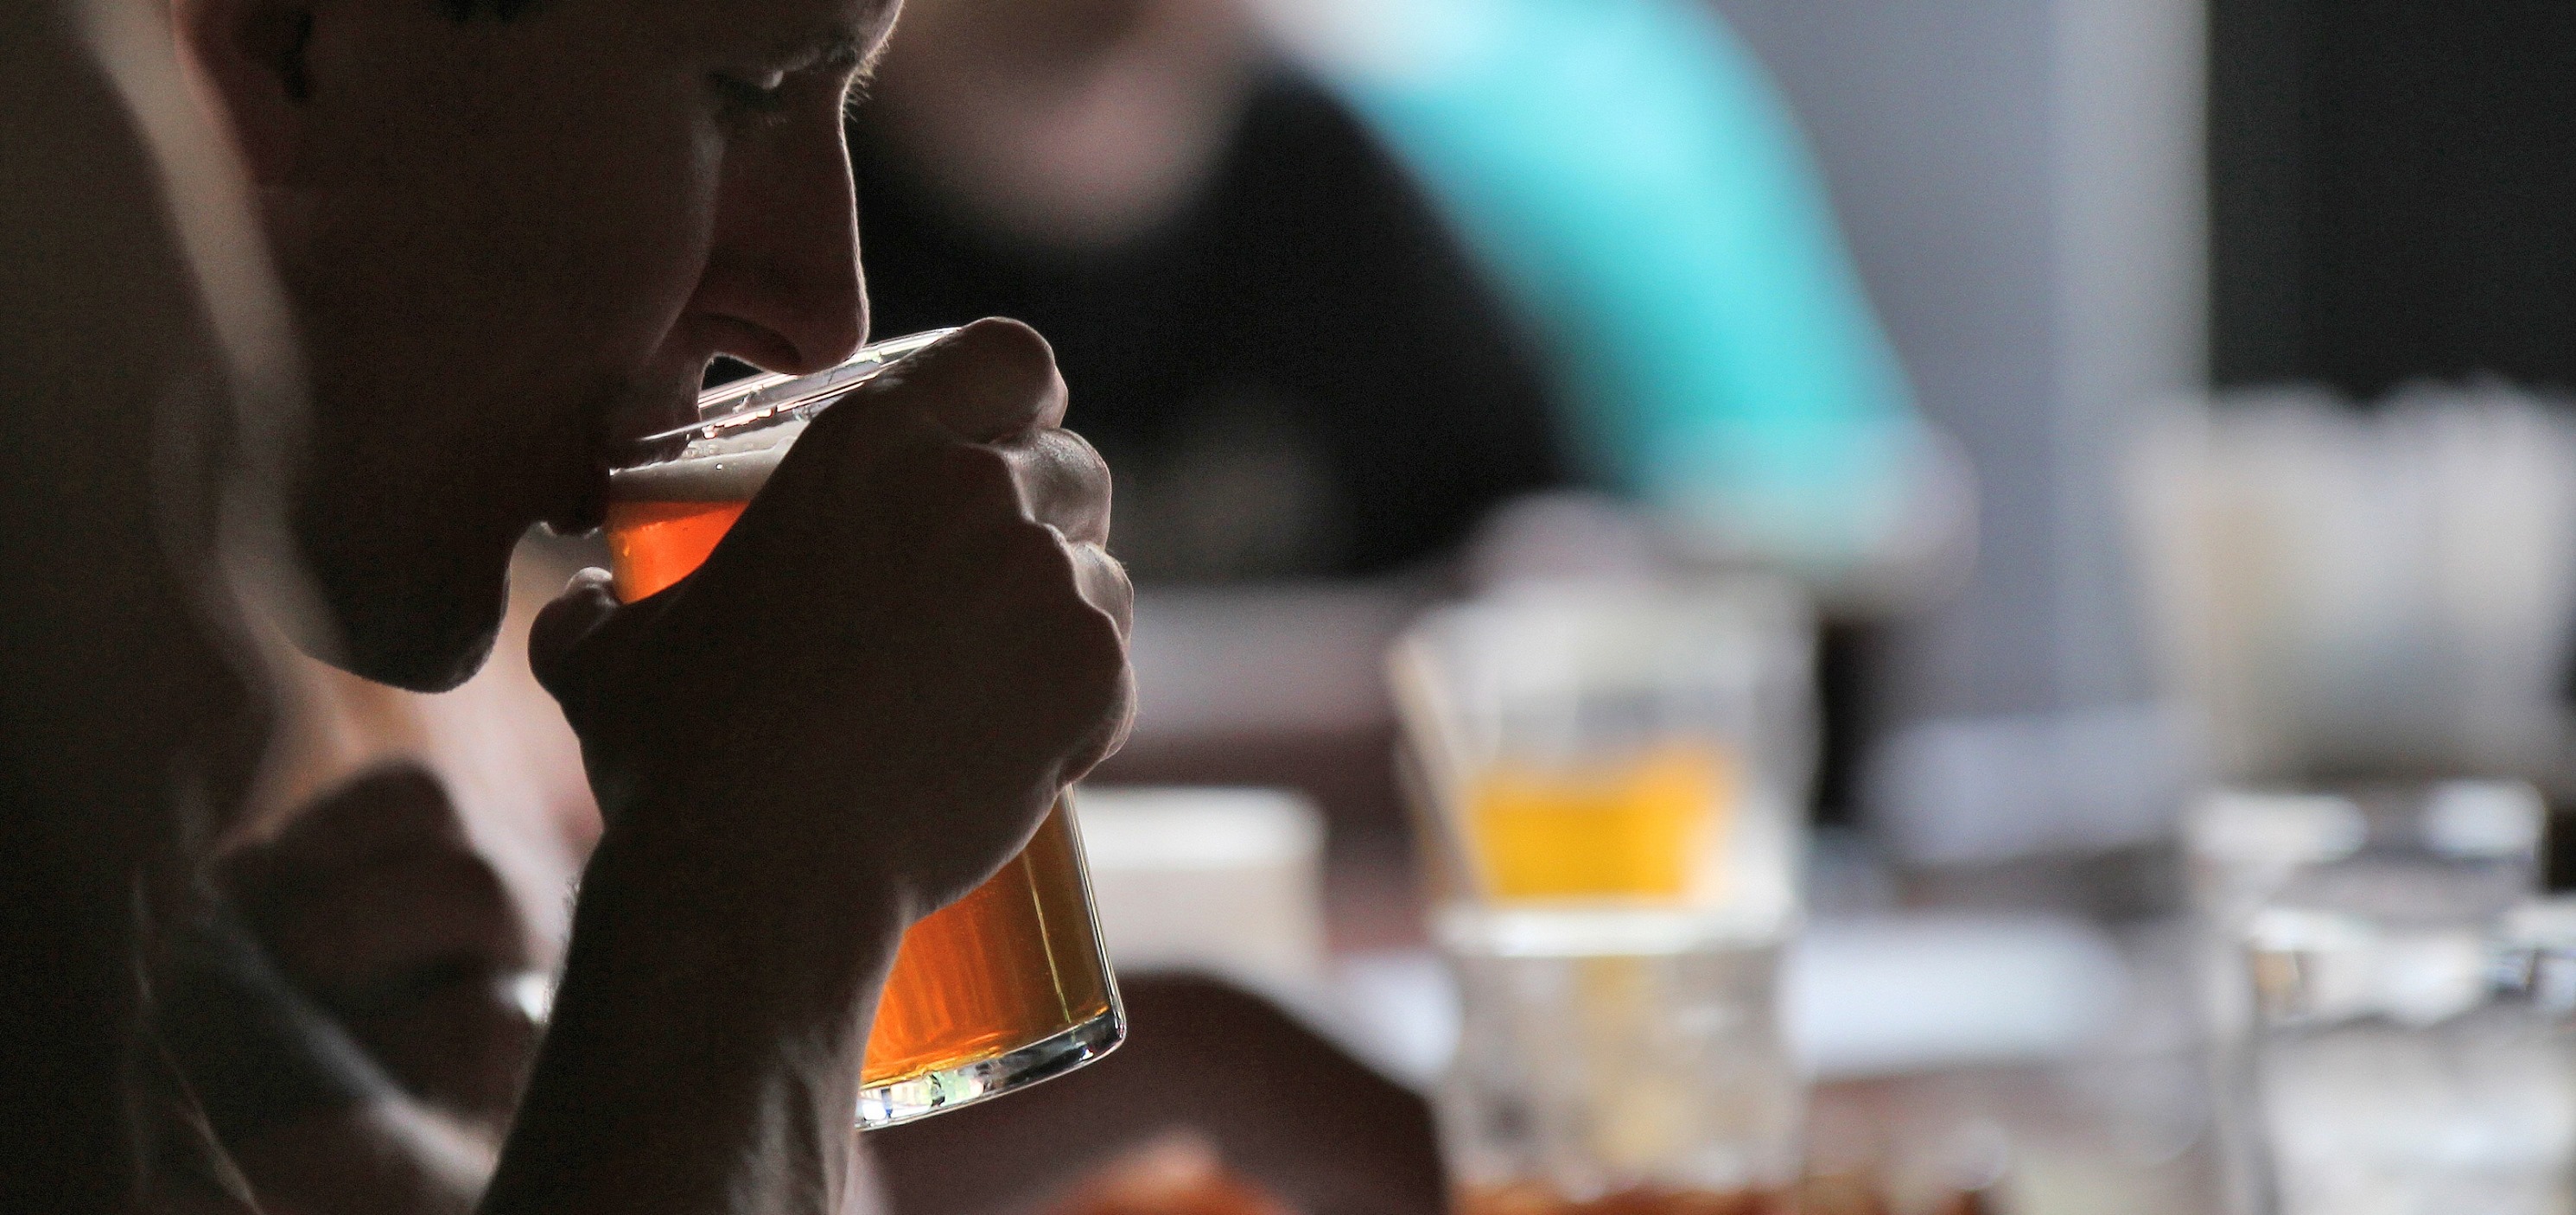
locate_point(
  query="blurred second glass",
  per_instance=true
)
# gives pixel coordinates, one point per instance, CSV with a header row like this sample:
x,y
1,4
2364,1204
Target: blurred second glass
x,y
1609,781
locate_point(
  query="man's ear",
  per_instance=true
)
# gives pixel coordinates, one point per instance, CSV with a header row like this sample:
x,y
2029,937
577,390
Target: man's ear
x,y
253,56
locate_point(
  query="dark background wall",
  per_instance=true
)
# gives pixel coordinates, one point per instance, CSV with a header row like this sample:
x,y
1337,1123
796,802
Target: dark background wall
x,y
2393,191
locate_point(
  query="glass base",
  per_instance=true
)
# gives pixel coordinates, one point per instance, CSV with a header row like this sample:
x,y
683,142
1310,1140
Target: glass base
x,y
939,1091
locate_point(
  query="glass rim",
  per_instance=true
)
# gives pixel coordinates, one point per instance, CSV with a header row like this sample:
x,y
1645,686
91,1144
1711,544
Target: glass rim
x,y
772,398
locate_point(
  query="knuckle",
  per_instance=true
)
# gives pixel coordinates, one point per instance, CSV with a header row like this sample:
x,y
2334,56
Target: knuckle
x,y
1080,465
996,356
1115,572
1076,452
1093,631
1006,347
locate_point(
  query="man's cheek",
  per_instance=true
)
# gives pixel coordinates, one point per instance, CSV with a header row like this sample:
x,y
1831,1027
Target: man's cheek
x,y
663,248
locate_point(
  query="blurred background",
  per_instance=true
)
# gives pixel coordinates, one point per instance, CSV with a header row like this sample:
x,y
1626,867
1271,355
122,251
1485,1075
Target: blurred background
x,y
2152,404
2138,425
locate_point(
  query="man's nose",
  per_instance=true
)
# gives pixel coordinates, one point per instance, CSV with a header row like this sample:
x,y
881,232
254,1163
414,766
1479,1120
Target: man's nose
x,y
783,272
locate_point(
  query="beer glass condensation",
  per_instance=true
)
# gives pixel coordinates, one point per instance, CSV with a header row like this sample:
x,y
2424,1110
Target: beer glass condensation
x,y
1007,986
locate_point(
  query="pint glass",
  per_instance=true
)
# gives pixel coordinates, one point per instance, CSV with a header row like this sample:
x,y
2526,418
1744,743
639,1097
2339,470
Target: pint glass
x,y
1007,986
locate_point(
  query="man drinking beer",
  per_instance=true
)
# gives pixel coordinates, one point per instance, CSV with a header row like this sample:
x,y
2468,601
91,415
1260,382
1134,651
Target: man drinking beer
x,y
511,233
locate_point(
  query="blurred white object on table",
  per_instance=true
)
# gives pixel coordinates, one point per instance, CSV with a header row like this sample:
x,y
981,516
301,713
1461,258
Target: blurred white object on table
x,y
2376,592
1890,995
1221,879
1273,661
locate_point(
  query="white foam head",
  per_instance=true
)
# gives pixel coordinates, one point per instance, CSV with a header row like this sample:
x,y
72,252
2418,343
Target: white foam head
x,y
728,469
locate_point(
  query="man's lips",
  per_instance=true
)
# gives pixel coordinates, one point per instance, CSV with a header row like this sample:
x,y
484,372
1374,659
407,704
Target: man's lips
x,y
613,441
584,509
583,504
671,405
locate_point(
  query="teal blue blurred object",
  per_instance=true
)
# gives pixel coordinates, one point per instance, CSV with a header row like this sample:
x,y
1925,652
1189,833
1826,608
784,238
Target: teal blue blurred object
x,y
1627,173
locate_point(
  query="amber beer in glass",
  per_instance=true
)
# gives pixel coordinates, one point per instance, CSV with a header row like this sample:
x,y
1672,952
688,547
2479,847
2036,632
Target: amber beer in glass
x,y
1003,988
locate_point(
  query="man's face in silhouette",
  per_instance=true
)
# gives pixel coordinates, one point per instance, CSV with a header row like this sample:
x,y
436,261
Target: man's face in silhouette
x,y
513,239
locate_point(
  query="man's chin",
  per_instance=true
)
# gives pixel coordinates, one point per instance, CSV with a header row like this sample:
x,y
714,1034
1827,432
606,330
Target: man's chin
x,y
419,652
420,657
384,621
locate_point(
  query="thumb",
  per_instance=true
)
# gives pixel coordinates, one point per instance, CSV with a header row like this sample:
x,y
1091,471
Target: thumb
x,y
556,637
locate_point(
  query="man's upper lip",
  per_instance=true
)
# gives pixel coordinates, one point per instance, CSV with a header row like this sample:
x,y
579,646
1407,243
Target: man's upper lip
x,y
664,414
642,415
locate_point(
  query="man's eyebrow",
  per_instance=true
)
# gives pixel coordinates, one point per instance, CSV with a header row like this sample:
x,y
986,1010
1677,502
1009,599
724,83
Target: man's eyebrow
x,y
832,50
833,47
838,47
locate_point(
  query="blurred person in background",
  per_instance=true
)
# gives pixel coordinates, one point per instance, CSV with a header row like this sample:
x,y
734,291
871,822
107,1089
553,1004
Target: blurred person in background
x,y
1632,181
1295,368
1351,297
1347,279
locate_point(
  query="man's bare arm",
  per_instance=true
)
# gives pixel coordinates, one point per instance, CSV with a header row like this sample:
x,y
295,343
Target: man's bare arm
x,y
693,1066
